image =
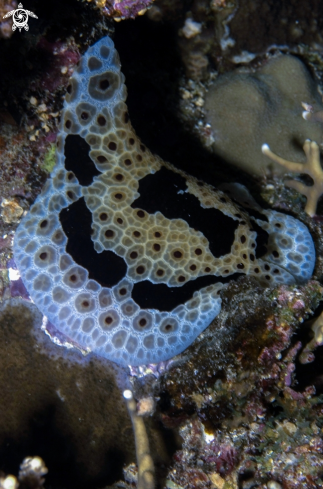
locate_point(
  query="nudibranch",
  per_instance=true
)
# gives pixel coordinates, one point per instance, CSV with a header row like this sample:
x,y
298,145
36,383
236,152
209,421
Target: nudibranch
x,y
124,253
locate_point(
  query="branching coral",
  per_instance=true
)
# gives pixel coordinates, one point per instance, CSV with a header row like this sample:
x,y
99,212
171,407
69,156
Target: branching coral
x,y
312,167
145,462
307,355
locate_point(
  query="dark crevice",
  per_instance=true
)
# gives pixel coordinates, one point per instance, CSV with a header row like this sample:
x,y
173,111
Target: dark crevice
x,y
254,213
106,268
164,298
78,161
165,191
261,240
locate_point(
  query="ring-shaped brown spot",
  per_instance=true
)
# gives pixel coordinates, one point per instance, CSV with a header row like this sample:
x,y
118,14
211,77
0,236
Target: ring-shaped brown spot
x,y
240,266
108,320
136,234
275,254
139,157
131,141
103,216
157,234
70,195
112,146
119,220
140,270
44,223
193,268
177,254
118,196
243,239
181,278
127,162
142,322
43,255
101,120
141,214
207,269
68,124
133,255
156,247
160,272
123,291
84,116
101,159
109,233
198,251
73,278
118,177
104,84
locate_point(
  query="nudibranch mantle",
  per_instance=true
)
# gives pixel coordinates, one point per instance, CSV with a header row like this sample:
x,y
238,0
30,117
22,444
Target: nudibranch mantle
x,y
124,253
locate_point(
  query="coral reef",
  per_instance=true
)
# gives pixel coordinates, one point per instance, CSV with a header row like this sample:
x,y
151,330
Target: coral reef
x,y
312,167
243,421
240,408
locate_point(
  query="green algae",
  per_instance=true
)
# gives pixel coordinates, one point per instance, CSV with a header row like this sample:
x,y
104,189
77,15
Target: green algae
x,y
49,159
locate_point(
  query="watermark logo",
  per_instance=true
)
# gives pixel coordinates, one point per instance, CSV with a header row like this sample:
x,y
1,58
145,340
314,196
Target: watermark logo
x,y
20,18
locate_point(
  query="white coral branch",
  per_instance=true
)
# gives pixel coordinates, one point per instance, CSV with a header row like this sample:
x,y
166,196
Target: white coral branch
x,y
146,471
312,167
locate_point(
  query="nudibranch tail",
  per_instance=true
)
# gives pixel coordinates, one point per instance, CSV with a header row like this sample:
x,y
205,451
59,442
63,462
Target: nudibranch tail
x,y
124,253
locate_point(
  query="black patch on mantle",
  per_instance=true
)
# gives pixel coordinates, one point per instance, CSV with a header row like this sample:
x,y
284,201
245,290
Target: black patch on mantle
x,y
106,268
256,214
160,192
159,296
78,161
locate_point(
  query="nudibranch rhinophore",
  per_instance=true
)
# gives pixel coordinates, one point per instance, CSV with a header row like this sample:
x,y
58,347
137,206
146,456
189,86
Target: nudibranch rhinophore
x,y
124,253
